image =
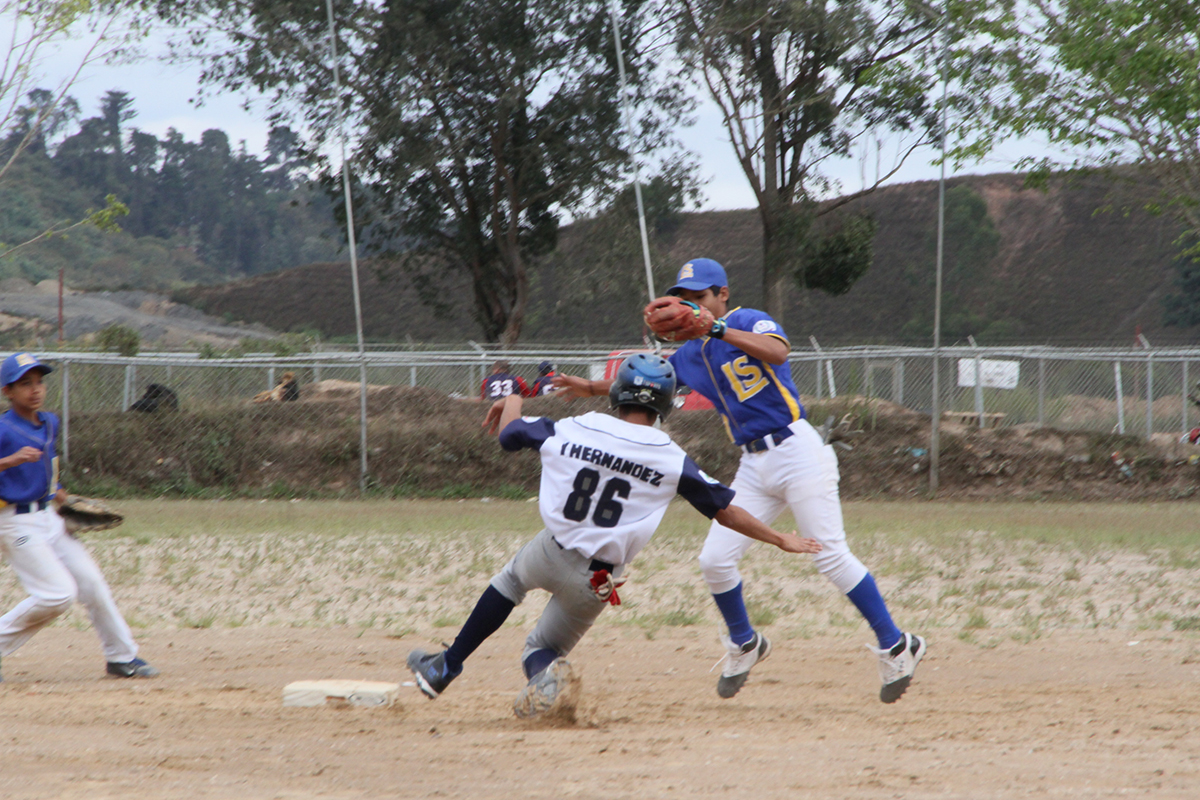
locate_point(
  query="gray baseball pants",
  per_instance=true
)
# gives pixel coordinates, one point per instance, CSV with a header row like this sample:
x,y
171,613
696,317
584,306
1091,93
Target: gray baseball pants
x,y
566,574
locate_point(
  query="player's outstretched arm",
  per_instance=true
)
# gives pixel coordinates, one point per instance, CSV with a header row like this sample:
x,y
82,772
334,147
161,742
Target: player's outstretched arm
x,y
502,412
569,387
742,521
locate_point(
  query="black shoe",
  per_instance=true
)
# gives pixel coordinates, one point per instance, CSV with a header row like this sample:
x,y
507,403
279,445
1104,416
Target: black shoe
x,y
131,669
430,671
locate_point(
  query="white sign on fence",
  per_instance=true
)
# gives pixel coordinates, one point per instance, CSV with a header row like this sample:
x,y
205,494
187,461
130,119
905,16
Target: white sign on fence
x,y
992,374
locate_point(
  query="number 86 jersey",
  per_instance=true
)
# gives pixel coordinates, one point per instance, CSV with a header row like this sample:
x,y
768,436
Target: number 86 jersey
x,y
606,483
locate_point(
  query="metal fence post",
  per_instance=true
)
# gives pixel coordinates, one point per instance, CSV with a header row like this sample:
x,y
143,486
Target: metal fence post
x,y
66,412
1041,392
898,382
270,378
1183,397
1149,394
1120,397
978,382
127,398
412,376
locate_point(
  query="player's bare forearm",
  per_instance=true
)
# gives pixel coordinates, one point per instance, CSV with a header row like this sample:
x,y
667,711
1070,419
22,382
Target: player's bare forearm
x,y
569,387
23,456
762,346
502,412
745,523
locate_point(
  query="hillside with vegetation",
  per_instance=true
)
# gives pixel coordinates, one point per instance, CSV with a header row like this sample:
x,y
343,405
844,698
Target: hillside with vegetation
x,y
198,211
1076,262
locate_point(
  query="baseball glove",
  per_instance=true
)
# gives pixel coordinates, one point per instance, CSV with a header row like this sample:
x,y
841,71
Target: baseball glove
x,y
84,514
675,320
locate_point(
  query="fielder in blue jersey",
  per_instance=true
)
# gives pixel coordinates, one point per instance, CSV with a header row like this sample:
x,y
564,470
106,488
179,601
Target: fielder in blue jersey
x,y
741,366
53,566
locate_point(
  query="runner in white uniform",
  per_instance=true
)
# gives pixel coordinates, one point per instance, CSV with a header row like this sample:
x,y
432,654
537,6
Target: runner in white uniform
x,y
606,483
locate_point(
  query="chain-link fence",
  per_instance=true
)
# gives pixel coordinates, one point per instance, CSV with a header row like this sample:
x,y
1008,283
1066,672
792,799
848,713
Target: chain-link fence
x,y
176,422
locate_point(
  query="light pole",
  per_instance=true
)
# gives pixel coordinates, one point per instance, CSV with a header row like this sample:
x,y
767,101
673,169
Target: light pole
x,y
936,411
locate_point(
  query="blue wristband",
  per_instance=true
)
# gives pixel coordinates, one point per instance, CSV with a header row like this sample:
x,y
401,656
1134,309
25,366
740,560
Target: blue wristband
x,y
718,329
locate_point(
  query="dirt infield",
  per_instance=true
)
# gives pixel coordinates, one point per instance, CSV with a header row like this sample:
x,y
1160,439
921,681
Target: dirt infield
x,y
1098,714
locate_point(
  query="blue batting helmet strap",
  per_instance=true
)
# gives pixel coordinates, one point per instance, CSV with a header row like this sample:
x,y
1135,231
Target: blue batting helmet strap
x,y
644,380
699,274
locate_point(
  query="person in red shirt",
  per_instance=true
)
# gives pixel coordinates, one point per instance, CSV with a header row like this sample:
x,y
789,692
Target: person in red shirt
x,y
543,383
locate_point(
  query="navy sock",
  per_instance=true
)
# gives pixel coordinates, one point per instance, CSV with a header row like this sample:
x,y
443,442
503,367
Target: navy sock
x,y
733,609
486,618
869,602
538,660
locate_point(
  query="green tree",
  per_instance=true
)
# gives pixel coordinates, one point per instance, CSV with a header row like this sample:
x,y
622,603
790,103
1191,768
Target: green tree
x,y
971,245
480,122
1110,82
801,82
36,29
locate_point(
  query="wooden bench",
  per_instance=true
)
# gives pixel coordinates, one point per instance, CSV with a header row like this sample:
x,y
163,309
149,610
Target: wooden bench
x,y
971,418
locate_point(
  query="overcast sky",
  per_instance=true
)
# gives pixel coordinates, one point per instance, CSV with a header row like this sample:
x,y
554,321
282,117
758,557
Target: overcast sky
x,y
165,97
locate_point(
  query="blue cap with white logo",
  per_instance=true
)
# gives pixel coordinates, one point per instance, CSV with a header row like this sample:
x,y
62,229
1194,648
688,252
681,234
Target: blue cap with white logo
x,y
699,274
17,365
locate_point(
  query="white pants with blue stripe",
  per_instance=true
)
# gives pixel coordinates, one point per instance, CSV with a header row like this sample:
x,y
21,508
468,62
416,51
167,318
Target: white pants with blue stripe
x,y
800,473
56,570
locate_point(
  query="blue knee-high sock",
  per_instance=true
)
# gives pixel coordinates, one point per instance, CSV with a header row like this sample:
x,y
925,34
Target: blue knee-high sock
x,y
538,660
733,609
869,602
486,618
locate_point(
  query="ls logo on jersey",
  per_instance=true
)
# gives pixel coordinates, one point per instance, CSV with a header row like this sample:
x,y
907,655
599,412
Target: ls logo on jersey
x,y
764,326
744,378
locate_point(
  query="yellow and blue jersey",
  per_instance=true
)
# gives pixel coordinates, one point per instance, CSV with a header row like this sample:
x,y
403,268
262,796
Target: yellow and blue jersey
x,y
754,398
34,480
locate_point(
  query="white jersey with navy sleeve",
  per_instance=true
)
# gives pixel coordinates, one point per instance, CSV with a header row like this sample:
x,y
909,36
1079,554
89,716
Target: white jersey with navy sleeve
x,y
606,483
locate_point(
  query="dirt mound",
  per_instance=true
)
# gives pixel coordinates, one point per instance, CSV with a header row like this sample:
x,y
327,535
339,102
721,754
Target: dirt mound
x,y
421,442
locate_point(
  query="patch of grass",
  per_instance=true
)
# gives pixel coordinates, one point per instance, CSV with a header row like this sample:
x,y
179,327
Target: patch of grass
x,y
204,621
976,621
1186,624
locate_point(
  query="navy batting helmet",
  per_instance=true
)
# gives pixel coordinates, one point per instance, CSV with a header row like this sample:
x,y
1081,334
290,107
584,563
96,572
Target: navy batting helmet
x,y
644,380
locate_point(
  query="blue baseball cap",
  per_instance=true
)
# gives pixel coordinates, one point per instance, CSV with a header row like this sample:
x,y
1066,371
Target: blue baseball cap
x,y
17,365
699,274
545,368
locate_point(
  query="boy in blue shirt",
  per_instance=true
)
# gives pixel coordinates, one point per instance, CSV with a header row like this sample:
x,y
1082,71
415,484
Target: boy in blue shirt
x,y
741,366
54,567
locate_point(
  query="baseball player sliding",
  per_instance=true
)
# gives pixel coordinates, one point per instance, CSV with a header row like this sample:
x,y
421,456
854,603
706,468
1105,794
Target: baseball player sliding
x,y
737,359
606,483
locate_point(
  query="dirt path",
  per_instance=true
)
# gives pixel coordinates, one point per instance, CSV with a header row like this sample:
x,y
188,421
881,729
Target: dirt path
x,y
1069,715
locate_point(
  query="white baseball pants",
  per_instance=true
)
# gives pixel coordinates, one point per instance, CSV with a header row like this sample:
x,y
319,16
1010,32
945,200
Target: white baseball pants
x,y
801,473
56,569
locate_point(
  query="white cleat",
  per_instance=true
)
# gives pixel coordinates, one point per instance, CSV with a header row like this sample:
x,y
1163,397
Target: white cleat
x,y
739,658
897,665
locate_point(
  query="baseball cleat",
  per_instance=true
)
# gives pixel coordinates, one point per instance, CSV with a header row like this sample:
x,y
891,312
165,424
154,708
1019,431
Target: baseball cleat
x,y
131,669
553,692
897,665
738,661
431,672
